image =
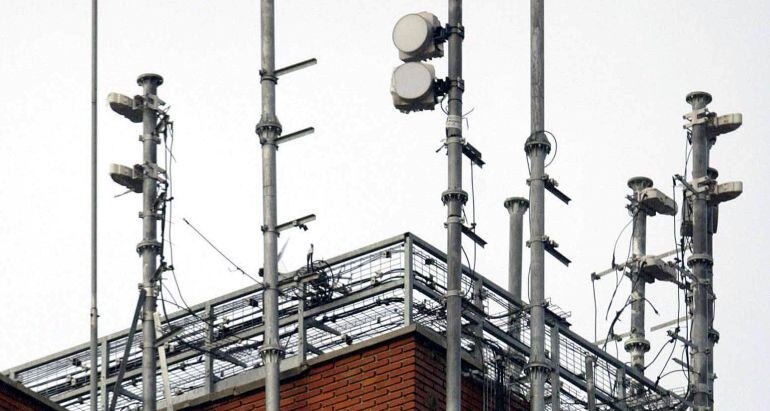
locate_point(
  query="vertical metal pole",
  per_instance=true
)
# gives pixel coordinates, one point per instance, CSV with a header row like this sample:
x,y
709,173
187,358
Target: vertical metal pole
x,y
208,365
105,366
94,312
537,148
454,198
408,280
620,388
268,130
478,328
163,365
301,329
713,335
516,206
555,380
149,247
590,387
700,261
636,344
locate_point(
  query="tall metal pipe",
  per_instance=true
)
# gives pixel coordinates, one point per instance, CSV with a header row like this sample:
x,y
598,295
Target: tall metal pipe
x,y
516,207
149,248
454,198
713,335
537,148
700,261
268,130
94,353
636,344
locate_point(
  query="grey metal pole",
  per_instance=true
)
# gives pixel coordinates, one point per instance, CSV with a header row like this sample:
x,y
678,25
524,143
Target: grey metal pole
x,y
590,386
516,206
94,379
636,344
408,280
268,130
105,344
713,335
149,248
208,359
555,360
537,148
454,198
700,261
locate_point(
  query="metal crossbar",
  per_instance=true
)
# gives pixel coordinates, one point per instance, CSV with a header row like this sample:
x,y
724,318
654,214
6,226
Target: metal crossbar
x,y
220,338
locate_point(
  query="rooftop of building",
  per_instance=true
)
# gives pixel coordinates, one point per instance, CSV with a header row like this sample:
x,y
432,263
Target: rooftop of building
x,y
332,307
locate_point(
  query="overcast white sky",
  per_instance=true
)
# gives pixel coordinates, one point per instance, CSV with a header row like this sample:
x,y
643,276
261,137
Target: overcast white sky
x,y
616,77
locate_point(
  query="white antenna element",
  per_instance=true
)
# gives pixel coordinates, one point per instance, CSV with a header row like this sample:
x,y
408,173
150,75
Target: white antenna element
x,y
412,87
125,106
415,37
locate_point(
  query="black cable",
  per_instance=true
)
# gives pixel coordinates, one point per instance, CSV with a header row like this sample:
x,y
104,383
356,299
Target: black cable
x,y
628,256
237,268
660,351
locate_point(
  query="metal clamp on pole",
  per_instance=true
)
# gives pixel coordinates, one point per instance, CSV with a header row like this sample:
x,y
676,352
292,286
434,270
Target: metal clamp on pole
x,y
551,185
550,246
454,29
699,116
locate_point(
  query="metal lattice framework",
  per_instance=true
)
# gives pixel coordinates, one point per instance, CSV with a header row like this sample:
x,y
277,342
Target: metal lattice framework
x,y
368,292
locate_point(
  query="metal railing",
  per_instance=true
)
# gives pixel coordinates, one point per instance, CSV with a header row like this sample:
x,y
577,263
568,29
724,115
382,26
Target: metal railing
x,y
342,301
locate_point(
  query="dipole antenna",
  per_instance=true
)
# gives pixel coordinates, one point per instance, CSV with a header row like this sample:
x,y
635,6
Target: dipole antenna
x,y
269,130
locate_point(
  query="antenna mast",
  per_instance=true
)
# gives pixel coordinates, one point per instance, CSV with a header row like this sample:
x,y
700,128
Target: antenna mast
x,y
537,148
269,130
94,372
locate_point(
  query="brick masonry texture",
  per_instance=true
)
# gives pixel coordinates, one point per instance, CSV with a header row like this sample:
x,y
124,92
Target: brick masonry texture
x,y
12,399
405,373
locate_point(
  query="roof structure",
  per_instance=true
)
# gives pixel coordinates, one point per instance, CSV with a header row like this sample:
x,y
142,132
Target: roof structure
x,y
395,283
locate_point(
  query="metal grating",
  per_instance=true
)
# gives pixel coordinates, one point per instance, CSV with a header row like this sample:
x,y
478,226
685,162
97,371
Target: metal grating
x,y
356,296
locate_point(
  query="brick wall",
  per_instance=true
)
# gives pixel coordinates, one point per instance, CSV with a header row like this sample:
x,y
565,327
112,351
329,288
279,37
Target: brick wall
x,y
14,397
404,373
